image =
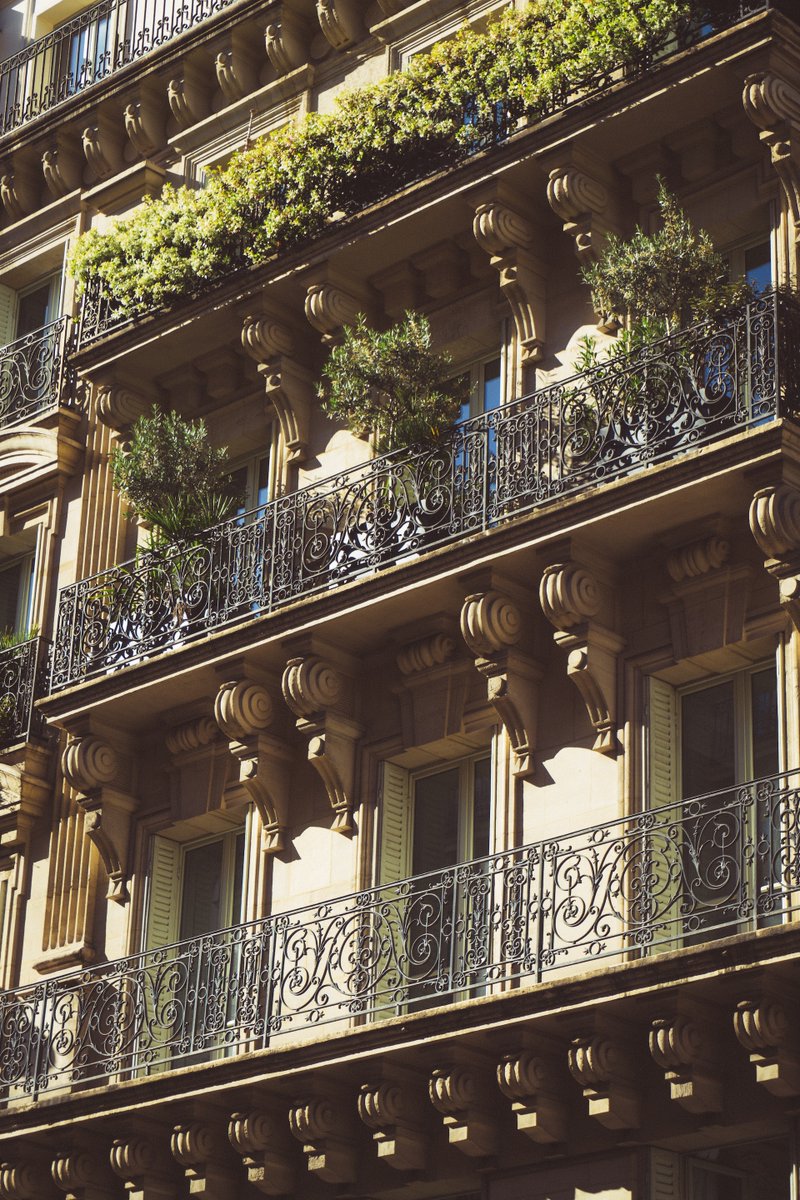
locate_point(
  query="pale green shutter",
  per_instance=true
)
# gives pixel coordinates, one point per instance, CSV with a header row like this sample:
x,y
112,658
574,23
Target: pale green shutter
x,y
164,902
665,886
8,314
394,860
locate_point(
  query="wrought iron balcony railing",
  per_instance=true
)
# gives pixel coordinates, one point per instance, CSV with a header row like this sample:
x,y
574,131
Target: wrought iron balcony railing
x,y
677,394
35,374
671,878
23,679
89,48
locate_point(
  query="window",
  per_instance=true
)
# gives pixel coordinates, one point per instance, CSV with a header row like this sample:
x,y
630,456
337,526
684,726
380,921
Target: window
x,y
752,261
194,888
486,388
253,482
29,309
16,595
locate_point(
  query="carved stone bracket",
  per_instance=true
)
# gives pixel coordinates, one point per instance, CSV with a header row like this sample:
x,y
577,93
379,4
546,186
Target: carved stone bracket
x,y
102,148
244,712
19,189
601,1065
707,603
570,600
207,1160
263,1139
508,238
100,777
462,1093
393,1109
26,1179
341,22
187,96
766,1025
61,166
491,625
289,387
323,1126
775,525
288,40
433,688
685,1046
235,69
314,691
144,121
329,307
83,1176
773,105
529,1079
144,1168
580,201
119,403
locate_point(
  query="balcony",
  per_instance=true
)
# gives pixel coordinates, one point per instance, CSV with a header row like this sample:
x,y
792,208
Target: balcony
x,y
668,879
34,373
677,395
23,678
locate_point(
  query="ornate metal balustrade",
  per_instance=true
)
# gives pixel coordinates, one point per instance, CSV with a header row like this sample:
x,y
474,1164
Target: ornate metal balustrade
x,y
89,48
724,863
23,679
35,373
677,394
101,314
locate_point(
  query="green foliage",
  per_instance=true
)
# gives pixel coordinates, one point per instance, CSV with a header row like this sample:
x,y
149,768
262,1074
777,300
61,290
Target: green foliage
x,y
661,278
9,638
172,477
379,137
392,383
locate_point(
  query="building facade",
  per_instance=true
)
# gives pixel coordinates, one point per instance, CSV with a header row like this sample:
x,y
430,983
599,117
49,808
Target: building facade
x,y
431,828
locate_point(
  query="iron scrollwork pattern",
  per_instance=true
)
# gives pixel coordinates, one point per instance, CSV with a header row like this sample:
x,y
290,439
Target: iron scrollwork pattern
x,y
23,679
34,375
723,863
623,416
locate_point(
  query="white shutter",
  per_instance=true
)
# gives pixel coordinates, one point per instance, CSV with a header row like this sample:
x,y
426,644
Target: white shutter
x,y
395,825
8,314
164,902
662,745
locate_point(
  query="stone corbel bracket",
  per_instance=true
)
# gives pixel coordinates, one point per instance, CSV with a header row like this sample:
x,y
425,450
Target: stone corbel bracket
x,y
287,38
323,1126
707,603
433,691
61,166
329,307
144,1169
508,238
289,387
602,1066
685,1046
766,1026
82,1175
775,525
581,202
120,404
26,1179
570,600
20,185
100,777
392,1109
270,1155
203,1152
492,625
145,121
244,712
341,22
235,68
187,96
530,1080
462,1093
773,105
314,691
102,148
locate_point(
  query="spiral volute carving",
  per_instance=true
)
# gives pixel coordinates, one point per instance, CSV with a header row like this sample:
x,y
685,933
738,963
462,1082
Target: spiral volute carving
x,y
775,520
761,1027
382,1105
674,1043
263,338
570,193
498,229
426,653
315,1119
520,1075
191,736
568,594
242,709
697,559
768,100
89,763
593,1061
251,1131
452,1090
311,685
490,622
192,1144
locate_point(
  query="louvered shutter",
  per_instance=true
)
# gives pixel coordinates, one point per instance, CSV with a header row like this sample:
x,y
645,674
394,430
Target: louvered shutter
x,y
663,888
162,914
666,1175
158,976
395,825
8,314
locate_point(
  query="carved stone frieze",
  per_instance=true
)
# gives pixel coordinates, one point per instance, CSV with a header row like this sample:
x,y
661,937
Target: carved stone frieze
x,y
462,1093
289,386
602,1066
100,777
529,1079
509,238
314,691
287,38
491,625
571,600
766,1026
684,1045
775,525
322,1124
393,1109
263,1139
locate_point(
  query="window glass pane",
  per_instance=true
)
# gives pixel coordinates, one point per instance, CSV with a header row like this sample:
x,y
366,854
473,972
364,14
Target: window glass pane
x,y
14,581
238,877
764,702
201,903
481,810
262,483
33,311
491,385
436,804
708,744
758,266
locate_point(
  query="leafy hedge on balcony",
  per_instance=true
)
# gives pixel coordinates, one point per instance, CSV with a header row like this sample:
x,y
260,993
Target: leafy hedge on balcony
x,y
289,186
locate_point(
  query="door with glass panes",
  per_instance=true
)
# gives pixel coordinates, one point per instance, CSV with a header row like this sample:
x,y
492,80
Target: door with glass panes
x,y
712,860
195,895
436,941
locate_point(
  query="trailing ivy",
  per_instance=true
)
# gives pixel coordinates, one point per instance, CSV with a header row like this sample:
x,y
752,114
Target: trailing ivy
x,y
288,187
